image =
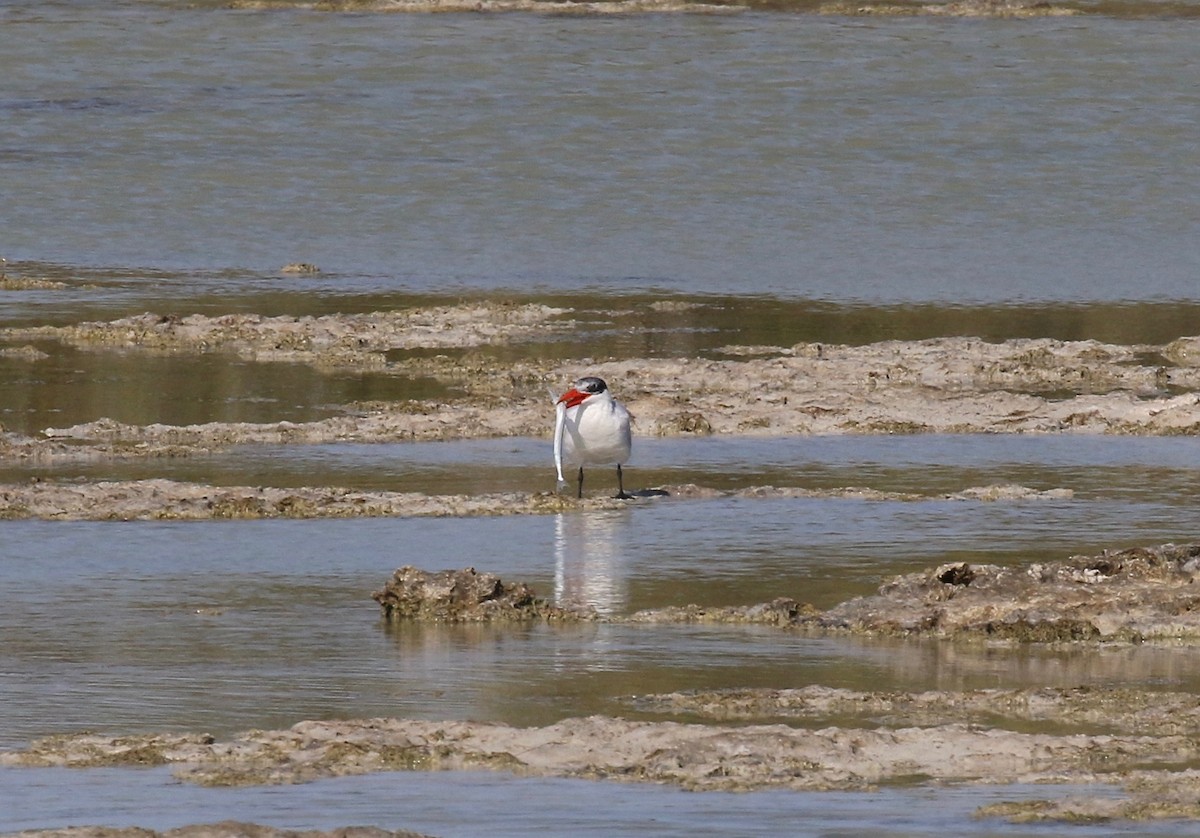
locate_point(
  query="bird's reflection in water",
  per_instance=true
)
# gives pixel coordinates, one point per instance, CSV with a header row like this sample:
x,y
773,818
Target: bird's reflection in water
x,y
589,567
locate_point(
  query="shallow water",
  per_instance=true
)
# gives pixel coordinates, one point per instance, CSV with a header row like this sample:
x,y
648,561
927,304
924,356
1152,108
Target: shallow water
x,y
548,807
228,625
792,177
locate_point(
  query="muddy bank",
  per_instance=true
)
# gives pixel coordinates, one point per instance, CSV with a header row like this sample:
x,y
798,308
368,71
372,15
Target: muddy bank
x,y
160,499
812,738
694,756
943,385
1152,768
341,340
171,500
1089,710
1130,596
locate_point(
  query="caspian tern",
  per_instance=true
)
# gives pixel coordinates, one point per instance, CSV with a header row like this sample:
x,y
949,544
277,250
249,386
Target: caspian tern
x,y
592,428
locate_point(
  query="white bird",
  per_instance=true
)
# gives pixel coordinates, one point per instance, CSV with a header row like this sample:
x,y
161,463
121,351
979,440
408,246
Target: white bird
x,y
592,428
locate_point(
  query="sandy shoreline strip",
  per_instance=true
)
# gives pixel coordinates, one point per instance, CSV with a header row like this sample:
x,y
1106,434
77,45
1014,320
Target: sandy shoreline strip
x,y
699,757
172,500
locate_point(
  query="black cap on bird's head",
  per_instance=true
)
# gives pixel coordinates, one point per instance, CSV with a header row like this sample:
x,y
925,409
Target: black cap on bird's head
x,y
591,384
583,388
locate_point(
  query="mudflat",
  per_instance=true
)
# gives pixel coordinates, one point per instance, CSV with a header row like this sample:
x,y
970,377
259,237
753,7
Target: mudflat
x,y
812,738
940,385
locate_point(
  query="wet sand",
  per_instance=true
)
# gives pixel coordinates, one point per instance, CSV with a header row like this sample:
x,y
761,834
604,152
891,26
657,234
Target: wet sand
x,y
171,500
695,756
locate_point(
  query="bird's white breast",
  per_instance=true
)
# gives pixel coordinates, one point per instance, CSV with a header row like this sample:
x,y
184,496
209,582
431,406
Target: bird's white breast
x,y
596,432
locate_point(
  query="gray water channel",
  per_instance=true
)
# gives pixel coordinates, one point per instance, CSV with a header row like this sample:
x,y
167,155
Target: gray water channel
x,y
480,804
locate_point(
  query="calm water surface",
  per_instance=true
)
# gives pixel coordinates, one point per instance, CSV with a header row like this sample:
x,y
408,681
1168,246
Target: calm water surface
x,y
797,155
431,803
800,177
225,626
141,625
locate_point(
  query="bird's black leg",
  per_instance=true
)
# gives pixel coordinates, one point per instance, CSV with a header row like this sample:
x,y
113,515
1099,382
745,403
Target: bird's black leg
x,y
579,493
621,486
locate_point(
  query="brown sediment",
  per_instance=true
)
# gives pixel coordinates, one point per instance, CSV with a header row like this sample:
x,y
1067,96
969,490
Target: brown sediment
x,y
343,340
694,756
1134,595
160,499
300,268
942,385
26,353
29,283
1122,710
1003,9
459,596
1137,595
1148,746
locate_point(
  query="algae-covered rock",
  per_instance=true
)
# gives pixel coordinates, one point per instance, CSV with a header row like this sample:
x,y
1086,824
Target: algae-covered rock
x,y
464,596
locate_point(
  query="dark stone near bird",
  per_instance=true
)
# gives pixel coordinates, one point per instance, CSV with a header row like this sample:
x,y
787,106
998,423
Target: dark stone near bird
x,y
465,596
